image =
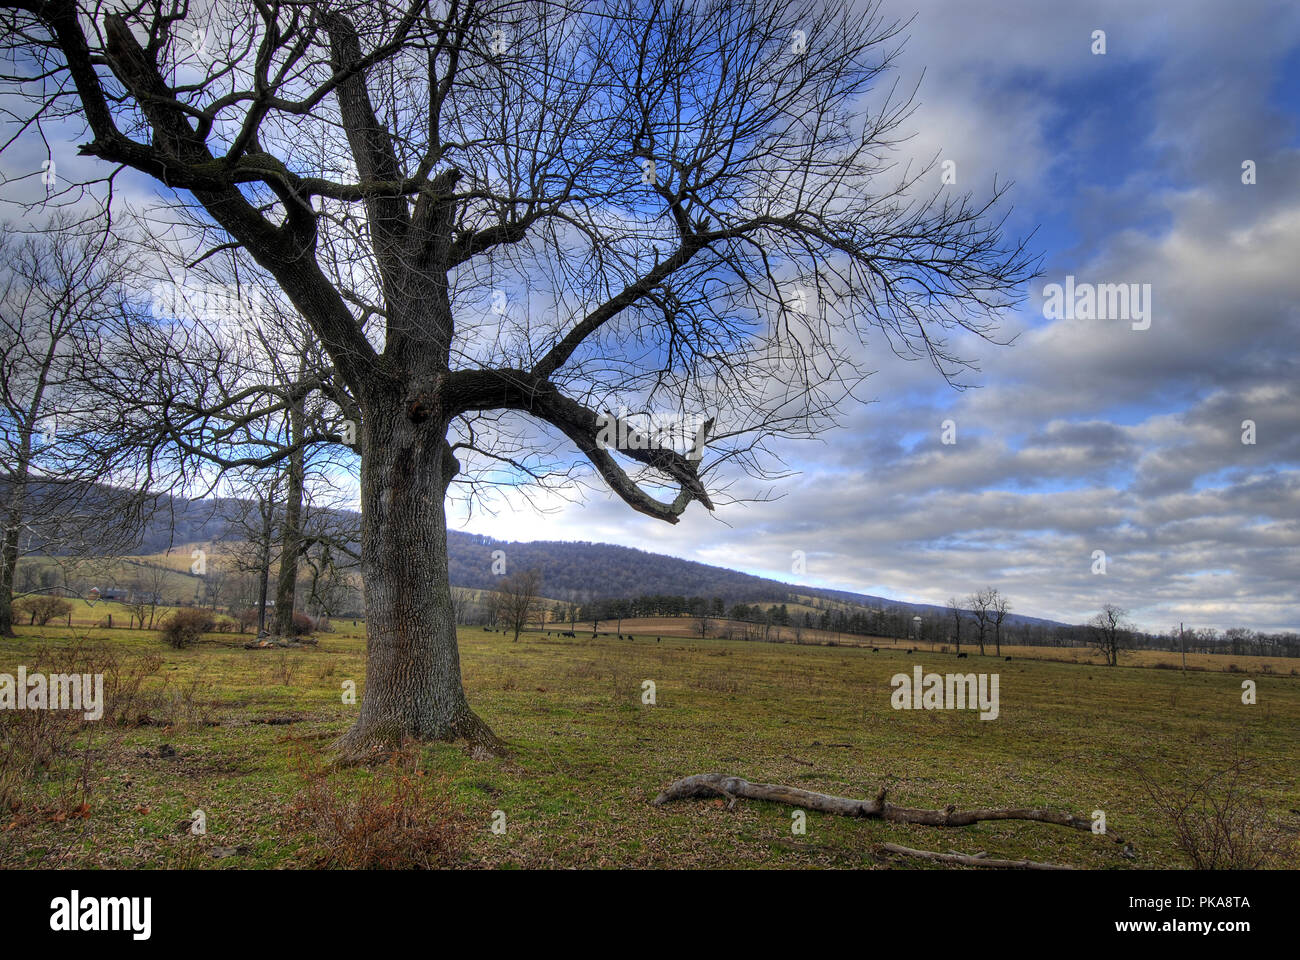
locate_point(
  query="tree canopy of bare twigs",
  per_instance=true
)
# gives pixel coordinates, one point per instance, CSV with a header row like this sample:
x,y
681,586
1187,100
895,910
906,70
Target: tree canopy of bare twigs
x,y
514,225
59,287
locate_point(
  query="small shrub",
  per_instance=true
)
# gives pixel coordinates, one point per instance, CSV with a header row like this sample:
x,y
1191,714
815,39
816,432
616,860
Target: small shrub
x,y
41,610
283,670
1219,820
185,626
49,758
302,624
396,820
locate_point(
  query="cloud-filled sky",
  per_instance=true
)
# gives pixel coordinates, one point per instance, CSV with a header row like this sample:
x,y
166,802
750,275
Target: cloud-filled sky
x,y
1084,435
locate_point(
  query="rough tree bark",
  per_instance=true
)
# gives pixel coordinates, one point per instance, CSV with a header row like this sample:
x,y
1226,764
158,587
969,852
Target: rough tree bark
x,y
413,678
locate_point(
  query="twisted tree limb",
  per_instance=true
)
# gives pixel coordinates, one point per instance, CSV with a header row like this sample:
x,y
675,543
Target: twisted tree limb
x,y
734,788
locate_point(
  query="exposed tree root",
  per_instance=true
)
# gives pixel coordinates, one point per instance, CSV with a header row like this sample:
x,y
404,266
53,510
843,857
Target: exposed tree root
x,y
734,788
972,860
377,742
483,743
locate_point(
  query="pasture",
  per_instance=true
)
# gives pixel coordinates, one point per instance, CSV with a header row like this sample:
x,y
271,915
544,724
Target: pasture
x,y
244,737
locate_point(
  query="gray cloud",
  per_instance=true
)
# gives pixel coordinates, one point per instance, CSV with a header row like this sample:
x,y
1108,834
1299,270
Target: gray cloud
x,y
1086,435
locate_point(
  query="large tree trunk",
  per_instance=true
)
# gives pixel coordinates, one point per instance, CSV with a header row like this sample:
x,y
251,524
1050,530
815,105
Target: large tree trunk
x,y
413,680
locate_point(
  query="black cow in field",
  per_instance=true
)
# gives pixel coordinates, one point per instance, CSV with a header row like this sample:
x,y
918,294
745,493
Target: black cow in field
x,y
630,637
875,649
1008,659
909,649
962,656
658,639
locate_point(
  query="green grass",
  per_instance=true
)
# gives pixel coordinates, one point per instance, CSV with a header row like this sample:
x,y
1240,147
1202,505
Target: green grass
x,y
587,756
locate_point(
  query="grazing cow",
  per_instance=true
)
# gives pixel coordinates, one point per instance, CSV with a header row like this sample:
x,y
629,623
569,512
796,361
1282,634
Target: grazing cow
x,y
961,656
909,649
1008,659
630,637
875,649
620,636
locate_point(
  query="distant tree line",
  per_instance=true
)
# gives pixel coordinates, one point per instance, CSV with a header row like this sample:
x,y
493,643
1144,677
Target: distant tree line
x,y
981,620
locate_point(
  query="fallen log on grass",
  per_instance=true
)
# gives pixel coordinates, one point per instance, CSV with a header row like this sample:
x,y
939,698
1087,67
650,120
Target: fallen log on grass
x,y
972,860
878,808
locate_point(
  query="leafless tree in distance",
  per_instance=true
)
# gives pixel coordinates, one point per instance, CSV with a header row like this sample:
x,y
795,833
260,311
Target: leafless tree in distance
x,y
999,607
980,604
957,614
1109,632
60,282
517,599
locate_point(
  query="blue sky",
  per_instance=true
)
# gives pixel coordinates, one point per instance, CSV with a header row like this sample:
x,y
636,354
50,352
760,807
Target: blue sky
x,y
1083,435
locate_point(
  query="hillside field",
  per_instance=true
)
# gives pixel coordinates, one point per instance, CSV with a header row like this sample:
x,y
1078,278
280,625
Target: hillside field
x,y
244,736
642,627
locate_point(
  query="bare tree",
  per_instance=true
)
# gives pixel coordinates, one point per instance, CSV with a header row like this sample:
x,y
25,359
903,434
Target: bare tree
x,y
516,599
1109,632
981,607
703,624
145,592
619,608
957,613
58,285
509,222
256,494
999,607
241,386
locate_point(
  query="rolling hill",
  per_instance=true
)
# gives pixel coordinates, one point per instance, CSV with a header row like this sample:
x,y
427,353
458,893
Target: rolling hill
x,y
572,570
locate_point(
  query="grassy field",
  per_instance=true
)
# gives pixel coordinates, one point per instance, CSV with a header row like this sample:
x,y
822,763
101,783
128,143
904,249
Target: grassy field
x,y
245,736
642,627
